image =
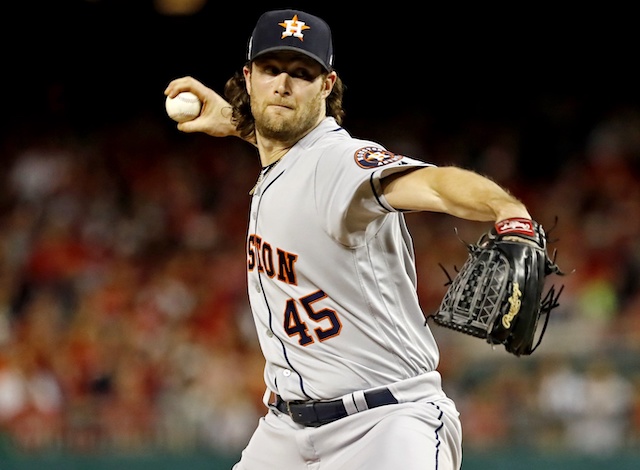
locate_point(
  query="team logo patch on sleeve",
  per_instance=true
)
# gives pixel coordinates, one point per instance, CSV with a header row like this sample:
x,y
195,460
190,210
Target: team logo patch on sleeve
x,y
374,157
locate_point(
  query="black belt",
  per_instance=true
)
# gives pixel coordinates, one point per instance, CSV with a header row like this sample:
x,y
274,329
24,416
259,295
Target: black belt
x,y
317,413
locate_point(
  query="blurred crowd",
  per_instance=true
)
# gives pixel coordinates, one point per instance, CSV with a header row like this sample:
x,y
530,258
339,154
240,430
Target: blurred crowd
x,y
124,322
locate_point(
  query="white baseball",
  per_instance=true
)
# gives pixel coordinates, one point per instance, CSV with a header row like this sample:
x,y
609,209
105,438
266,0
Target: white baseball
x,y
184,107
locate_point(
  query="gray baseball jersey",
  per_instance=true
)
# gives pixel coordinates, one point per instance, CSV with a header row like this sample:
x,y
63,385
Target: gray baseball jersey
x,y
331,272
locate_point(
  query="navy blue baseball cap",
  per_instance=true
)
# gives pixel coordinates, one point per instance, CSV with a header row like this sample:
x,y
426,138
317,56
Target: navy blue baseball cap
x,y
292,30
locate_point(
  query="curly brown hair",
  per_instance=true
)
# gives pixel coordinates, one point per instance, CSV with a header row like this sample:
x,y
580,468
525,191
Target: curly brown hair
x,y
235,92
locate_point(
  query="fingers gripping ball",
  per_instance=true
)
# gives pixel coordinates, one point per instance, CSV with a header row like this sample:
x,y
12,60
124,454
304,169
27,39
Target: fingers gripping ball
x,y
498,293
184,107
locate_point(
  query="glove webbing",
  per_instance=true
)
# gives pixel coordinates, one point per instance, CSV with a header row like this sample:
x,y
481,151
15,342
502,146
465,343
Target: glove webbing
x,y
473,309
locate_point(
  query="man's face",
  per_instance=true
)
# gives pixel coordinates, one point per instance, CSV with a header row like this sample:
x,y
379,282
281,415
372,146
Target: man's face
x,y
288,92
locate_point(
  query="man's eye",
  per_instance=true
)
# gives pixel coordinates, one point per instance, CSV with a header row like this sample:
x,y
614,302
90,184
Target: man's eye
x,y
302,74
272,70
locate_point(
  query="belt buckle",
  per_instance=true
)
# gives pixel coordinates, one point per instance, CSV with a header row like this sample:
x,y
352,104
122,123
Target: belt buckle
x,y
305,413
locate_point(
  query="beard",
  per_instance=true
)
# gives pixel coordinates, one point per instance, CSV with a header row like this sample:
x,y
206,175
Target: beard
x,y
286,125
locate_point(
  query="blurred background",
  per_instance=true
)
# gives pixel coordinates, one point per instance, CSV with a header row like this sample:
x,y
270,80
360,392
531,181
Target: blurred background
x,y
125,334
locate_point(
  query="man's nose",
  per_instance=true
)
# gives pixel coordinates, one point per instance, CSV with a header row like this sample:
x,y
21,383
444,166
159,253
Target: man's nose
x,y
283,83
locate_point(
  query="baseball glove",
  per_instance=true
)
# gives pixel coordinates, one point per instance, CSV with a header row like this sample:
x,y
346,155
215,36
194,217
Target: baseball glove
x,y
498,293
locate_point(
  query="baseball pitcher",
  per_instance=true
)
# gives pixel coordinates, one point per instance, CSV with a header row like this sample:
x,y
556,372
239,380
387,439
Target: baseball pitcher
x,y
351,367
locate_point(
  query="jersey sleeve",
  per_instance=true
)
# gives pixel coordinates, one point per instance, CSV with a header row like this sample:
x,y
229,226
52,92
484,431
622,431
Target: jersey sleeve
x,y
348,190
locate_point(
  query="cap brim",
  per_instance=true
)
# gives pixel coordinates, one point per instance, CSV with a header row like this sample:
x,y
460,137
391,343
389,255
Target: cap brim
x,y
292,49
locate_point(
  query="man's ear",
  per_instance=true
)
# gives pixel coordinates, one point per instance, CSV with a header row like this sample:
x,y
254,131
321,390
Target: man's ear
x,y
329,81
246,71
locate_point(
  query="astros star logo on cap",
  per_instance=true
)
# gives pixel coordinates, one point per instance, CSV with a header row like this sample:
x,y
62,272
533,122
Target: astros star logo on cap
x,y
294,27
